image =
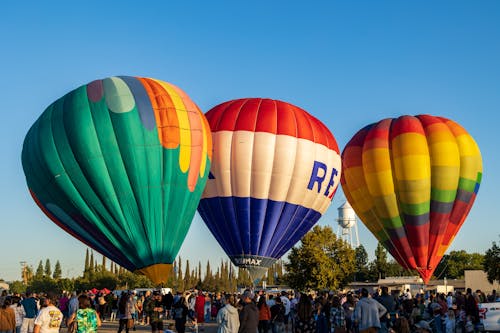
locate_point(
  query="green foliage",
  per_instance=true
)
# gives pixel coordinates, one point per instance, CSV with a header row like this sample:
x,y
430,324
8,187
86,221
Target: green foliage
x,y
39,271
57,271
66,284
362,272
48,269
491,263
321,262
44,284
17,287
380,263
128,280
452,265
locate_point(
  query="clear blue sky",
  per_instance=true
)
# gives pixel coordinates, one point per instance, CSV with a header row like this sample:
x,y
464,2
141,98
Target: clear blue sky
x,y
349,63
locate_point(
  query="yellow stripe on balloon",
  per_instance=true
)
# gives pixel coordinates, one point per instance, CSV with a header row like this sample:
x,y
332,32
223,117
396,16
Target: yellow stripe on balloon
x,y
409,144
204,155
184,127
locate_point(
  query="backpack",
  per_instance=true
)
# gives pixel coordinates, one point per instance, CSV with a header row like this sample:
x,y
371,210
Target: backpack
x,y
178,313
86,320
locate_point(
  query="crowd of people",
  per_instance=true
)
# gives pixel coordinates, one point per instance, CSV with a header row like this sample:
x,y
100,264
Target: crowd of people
x,y
246,312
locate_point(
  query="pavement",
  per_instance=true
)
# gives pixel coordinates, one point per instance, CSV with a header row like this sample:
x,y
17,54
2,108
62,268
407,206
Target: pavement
x,y
112,327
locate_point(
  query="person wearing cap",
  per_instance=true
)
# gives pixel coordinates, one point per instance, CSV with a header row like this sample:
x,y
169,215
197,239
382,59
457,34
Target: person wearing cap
x,y
249,314
367,313
49,318
423,327
155,309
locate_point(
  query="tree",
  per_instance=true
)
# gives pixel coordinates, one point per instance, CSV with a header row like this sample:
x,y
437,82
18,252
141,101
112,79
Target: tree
x,y
48,270
87,262
321,262
380,263
454,264
491,263
361,255
17,287
57,271
187,276
39,271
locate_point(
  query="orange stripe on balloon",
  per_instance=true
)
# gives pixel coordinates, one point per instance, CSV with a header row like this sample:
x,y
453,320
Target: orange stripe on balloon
x,y
197,138
165,113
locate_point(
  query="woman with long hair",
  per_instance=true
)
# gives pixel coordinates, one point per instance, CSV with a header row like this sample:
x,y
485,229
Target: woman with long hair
x,y
125,312
7,318
85,318
264,314
180,312
304,317
18,311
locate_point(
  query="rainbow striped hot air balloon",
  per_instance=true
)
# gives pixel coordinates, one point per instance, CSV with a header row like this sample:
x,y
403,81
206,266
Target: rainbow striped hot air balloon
x,y
274,173
120,164
412,181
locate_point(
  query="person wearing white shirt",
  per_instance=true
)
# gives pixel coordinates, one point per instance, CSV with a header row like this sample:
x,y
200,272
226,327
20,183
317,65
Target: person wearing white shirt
x,y
49,318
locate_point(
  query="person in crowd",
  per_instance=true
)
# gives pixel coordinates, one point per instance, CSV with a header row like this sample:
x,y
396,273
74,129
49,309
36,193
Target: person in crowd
x,y
62,304
227,318
401,325
390,305
349,306
125,309
72,304
85,319
264,314
7,318
30,306
423,327
249,314
471,308
180,313
337,316
199,308
367,313
278,316
168,301
287,304
114,308
493,296
450,321
304,321
155,310
50,318
18,311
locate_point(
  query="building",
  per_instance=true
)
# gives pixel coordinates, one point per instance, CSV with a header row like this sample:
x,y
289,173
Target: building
x,y
478,279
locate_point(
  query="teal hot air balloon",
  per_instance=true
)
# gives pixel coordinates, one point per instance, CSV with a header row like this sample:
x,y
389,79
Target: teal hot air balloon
x,y
120,164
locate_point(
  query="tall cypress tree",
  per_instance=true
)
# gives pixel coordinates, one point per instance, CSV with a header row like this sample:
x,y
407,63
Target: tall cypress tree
x,y
39,270
87,261
187,276
57,271
91,262
48,270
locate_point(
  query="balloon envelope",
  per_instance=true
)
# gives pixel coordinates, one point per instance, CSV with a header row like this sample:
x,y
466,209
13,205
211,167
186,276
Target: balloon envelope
x,y
274,173
412,181
120,164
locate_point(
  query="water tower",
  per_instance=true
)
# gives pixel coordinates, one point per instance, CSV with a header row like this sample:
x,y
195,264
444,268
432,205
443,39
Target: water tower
x,y
348,228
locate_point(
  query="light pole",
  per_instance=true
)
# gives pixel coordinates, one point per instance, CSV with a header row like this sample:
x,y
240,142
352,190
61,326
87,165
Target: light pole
x,y
23,272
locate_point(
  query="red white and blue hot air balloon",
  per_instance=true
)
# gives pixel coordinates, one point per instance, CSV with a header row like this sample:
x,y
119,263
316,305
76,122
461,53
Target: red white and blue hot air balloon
x,y
275,169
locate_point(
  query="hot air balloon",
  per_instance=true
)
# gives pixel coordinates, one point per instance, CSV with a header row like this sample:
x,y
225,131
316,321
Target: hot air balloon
x,y
274,173
412,180
120,164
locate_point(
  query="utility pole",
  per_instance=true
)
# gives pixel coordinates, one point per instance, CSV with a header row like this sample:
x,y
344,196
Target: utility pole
x,y
23,272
